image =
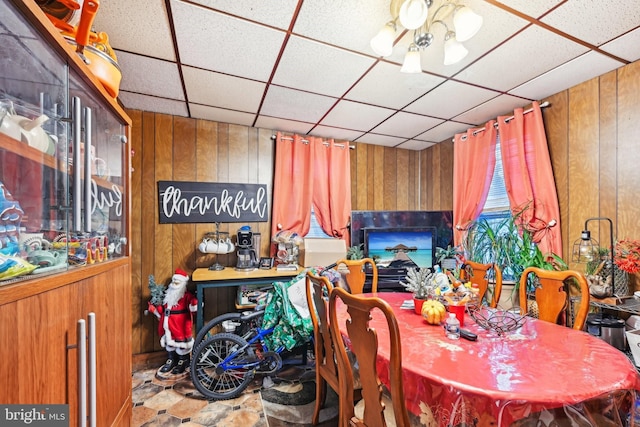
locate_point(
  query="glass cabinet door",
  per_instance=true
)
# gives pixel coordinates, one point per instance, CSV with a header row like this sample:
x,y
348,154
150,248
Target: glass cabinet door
x,y
62,161
98,214
33,181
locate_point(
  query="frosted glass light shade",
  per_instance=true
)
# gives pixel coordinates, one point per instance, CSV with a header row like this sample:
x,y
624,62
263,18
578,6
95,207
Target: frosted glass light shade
x,y
413,13
466,23
382,43
454,51
411,62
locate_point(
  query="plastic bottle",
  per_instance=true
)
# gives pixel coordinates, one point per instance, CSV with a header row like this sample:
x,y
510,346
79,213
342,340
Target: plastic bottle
x,y
452,327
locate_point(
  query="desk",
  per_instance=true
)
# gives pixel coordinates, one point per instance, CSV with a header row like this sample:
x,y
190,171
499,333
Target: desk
x,y
205,278
498,380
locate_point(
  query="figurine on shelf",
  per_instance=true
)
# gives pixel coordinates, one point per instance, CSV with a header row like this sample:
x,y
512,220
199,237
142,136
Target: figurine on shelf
x,y
175,315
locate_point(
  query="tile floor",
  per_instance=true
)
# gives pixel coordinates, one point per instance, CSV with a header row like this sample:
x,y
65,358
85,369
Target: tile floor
x,y
167,403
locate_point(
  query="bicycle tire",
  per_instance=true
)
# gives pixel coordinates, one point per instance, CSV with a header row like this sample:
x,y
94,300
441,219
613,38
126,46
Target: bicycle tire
x,y
206,359
214,326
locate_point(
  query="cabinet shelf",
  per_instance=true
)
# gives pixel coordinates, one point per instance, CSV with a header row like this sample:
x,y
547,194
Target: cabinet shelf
x,y
23,150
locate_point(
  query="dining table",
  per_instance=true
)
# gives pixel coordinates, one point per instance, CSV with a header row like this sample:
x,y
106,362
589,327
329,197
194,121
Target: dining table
x,y
537,372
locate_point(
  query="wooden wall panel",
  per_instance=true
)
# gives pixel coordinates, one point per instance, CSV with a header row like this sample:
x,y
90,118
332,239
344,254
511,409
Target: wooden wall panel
x,y
557,130
583,165
389,183
137,291
402,181
628,155
607,152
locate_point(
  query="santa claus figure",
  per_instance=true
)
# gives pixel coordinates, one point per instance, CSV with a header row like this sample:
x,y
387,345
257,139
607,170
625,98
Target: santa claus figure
x,y
175,324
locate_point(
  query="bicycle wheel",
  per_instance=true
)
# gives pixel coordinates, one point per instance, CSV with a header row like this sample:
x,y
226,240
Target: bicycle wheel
x,y
243,323
219,379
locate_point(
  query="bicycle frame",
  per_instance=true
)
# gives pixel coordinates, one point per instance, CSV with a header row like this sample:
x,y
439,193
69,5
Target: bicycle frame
x,y
227,363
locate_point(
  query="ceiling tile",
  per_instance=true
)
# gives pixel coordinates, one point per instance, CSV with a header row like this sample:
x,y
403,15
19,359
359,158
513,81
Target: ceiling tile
x,y
596,22
374,139
221,115
288,126
585,67
211,40
450,99
324,69
534,9
350,24
443,132
136,101
406,125
150,76
137,26
296,105
414,144
356,116
336,133
398,90
626,47
221,90
276,13
525,56
501,105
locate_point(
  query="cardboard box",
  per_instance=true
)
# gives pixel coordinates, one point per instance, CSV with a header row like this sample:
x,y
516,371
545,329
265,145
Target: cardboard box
x,y
317,251
633,338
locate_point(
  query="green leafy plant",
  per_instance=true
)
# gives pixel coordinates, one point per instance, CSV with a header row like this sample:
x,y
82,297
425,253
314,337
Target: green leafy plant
x,y
355,252
449,252
508,245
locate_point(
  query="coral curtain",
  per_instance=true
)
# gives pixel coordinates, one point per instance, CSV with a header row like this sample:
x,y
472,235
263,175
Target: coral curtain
x,y
474,159
529,177
312,173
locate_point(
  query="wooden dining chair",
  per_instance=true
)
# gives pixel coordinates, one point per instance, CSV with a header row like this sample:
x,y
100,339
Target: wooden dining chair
x,y
357,276
552,296
478,273
364,344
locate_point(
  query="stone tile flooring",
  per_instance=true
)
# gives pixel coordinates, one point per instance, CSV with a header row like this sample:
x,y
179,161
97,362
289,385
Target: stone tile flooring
x,y
167,403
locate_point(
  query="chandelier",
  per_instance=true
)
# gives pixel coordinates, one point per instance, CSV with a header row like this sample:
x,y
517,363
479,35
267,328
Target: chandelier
x,y
420,16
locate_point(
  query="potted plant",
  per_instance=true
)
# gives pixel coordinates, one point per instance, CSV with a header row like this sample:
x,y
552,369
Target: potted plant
x,y
355,252
420,282
511,247
448,258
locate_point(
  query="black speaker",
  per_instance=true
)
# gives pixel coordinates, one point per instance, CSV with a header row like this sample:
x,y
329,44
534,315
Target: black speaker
x,y
245,238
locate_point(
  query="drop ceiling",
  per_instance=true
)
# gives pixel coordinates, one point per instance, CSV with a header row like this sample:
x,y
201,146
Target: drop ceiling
x,y
306,66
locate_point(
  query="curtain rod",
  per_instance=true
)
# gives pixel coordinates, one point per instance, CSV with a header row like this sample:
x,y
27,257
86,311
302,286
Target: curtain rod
x,y
306,141
507,120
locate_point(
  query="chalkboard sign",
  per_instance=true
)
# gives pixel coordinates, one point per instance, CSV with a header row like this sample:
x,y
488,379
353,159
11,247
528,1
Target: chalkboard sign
x,y
189,202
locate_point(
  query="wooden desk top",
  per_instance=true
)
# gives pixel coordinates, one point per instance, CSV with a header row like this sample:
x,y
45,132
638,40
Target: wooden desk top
x,y
230,273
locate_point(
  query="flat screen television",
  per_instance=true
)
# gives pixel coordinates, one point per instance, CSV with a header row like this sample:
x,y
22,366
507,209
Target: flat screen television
x,y
401,247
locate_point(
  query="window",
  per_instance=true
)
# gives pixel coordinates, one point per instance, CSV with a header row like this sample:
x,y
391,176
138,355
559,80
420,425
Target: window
x,y
314,229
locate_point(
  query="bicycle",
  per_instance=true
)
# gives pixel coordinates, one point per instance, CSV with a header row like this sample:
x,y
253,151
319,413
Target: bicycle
x,y
223,364
237,323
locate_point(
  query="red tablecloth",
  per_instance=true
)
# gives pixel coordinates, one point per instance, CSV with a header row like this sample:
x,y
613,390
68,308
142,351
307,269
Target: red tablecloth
x,y
538,370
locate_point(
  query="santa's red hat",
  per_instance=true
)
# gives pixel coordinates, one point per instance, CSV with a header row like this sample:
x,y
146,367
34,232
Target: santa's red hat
x,y
180,276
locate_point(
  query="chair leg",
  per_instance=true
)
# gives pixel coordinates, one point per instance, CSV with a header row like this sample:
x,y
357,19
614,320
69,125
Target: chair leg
x,y
321,394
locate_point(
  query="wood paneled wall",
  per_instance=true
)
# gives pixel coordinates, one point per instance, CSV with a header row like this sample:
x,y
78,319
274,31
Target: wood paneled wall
x,y
593,131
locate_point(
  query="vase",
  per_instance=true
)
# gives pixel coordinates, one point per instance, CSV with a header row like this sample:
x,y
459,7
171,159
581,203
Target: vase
x,y
417,304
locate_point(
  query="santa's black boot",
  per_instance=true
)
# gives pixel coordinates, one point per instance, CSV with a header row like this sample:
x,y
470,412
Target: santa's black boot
x,y
183,363
171,363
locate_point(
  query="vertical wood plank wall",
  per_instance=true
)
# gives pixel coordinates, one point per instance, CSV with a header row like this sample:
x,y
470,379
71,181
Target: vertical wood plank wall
x,y
593,131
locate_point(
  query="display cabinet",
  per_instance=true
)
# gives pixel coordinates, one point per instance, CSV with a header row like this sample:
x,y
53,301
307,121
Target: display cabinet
x,y
64,226
63,154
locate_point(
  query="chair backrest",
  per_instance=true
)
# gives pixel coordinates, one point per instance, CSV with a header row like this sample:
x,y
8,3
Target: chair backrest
x,y
356,277
318,290
364,345
552,296
478,274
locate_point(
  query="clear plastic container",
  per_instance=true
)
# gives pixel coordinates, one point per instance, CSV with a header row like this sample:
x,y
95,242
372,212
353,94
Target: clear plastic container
x,y
452,327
